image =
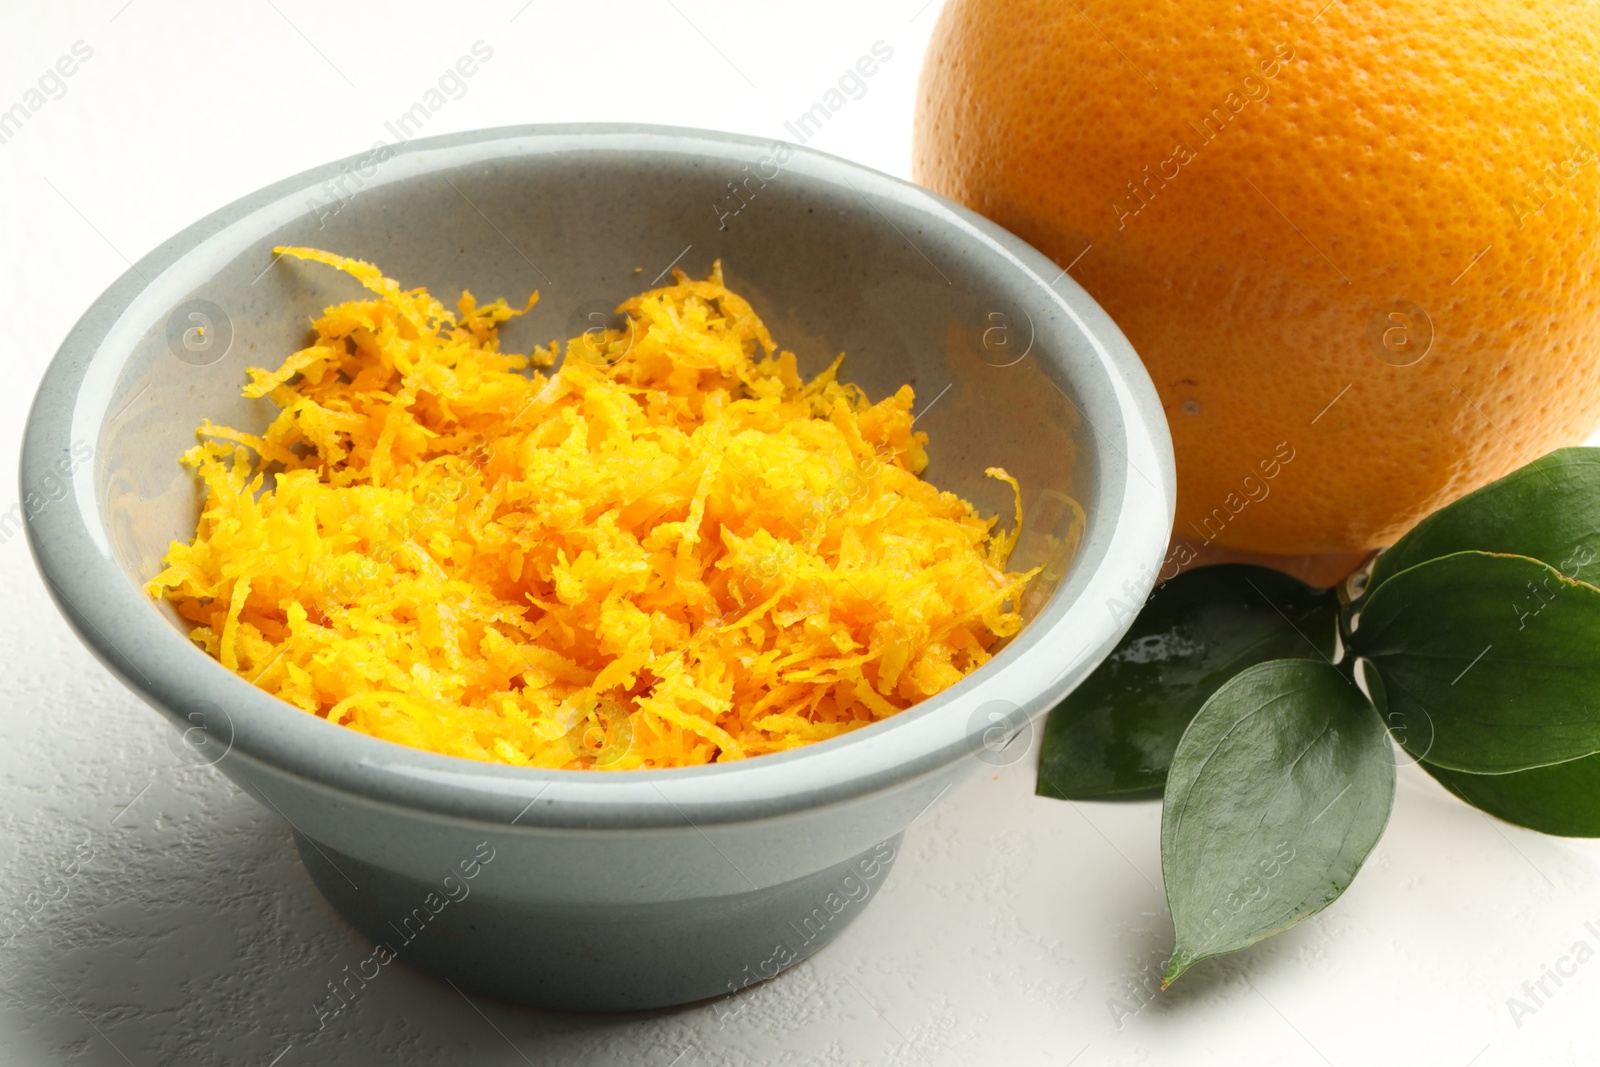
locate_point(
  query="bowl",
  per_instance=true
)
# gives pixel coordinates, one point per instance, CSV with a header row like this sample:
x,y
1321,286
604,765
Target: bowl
x,y
581,889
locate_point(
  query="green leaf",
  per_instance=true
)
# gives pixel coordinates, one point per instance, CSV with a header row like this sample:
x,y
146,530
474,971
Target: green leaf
x,y
1116,732
1280,788
1562,799
1548,510
1488,663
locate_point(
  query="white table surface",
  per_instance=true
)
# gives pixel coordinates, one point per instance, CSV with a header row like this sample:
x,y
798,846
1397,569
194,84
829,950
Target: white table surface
x,y
1013,930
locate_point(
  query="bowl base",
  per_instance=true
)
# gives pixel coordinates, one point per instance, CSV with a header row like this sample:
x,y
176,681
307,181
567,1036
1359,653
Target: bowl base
x,y
606,957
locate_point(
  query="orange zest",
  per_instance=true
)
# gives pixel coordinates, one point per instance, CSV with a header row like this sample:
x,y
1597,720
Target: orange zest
x,y
672,551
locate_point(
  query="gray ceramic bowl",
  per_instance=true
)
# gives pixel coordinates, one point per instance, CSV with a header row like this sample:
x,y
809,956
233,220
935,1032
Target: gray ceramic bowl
x,y
579,889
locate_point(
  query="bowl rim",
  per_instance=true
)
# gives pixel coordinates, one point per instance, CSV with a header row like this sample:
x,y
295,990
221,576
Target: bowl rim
x,y
1130,517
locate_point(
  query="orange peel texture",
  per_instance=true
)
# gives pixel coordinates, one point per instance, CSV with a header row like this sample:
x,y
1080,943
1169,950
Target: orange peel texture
x,y
1364,236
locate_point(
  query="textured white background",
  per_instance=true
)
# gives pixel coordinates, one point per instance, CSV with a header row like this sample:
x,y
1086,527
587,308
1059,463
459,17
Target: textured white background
x,y
1011,927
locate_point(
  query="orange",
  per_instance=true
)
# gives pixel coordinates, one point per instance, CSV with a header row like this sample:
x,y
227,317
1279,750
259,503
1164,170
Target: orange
x,y
1355,245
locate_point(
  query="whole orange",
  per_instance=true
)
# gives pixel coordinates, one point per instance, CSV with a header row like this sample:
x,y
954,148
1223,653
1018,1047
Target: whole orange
x,y
1355,244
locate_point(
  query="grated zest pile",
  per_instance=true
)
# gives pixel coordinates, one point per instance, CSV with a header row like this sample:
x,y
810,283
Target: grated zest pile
x,y
671,552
